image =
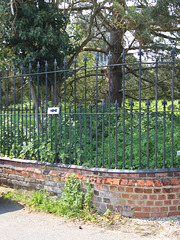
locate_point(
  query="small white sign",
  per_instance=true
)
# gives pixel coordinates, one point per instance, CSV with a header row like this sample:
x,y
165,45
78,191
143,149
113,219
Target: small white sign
x,y
53,110
178,153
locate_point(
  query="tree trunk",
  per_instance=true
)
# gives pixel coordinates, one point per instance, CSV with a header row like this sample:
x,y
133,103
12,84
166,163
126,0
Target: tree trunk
x,y
115,74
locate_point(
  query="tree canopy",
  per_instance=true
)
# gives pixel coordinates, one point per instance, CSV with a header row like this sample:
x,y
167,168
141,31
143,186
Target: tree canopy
x,y
35,31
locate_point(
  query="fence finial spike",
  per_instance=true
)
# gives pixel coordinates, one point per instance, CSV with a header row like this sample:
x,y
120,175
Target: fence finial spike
x,y
123,55
140,53
38,64
173,54
97,58
64,61
85,58
30,66
164,102
147,102
55,62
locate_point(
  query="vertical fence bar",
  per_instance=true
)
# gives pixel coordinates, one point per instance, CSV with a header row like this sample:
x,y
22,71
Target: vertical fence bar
x,y
97,63
116,134
65,117
7,89
80,131
109,115
60,126
156,111
140,63
103,105
123,59
55,103
173,54
131,104
14,102
75,150
26,110
38,113
11,110
22,115
30,69
46,79
18,126
85,104
90,107
4,119
147,105
34,128
51,129
70,132
42,119
1,107
164,103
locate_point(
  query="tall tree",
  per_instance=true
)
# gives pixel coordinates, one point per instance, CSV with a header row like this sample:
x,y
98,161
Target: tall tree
x,y
150,25
35,30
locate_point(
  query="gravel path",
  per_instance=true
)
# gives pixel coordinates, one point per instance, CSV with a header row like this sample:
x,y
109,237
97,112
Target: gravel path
x,y
21,223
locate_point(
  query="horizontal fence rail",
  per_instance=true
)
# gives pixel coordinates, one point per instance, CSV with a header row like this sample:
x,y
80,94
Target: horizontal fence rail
x,y
85,116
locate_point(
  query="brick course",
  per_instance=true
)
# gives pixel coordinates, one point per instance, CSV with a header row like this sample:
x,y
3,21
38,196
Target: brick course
x,y
131,194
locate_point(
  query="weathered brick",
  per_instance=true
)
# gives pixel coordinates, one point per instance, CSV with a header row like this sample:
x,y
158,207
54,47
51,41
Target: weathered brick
x,y
139,190
167,190
125,195
174,181
152,197
131,202
158,203
137,209
106,200
149,183
146,209
176,190
98,180
140,183
157,183
147,190
115,181
167,202
105,187
143,197
159,214
124,182
157,190
134,196
173,208
128,189
131,182
163,209
113,188
96,192
150,203
162,197
174,213
171,196
166,182
141,215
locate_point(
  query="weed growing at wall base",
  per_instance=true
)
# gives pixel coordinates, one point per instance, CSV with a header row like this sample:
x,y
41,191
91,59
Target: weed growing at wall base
x,y
73,203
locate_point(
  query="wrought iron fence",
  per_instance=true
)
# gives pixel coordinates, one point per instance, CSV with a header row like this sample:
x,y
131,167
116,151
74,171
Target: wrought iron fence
x,y
71,116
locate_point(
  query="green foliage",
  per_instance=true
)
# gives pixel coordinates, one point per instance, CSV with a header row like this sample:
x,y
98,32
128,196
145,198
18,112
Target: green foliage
x,y
36,32
71,145
72,203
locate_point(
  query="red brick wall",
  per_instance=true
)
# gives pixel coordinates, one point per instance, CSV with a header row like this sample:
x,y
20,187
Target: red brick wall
x,y
131,193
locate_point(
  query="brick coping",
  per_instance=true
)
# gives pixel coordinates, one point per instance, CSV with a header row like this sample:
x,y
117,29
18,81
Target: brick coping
x,y
104,170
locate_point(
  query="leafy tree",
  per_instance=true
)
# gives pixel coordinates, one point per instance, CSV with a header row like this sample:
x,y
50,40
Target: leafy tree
x,y
121,24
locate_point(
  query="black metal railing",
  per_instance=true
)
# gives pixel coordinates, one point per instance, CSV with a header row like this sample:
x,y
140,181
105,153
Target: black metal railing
x,y
139,130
